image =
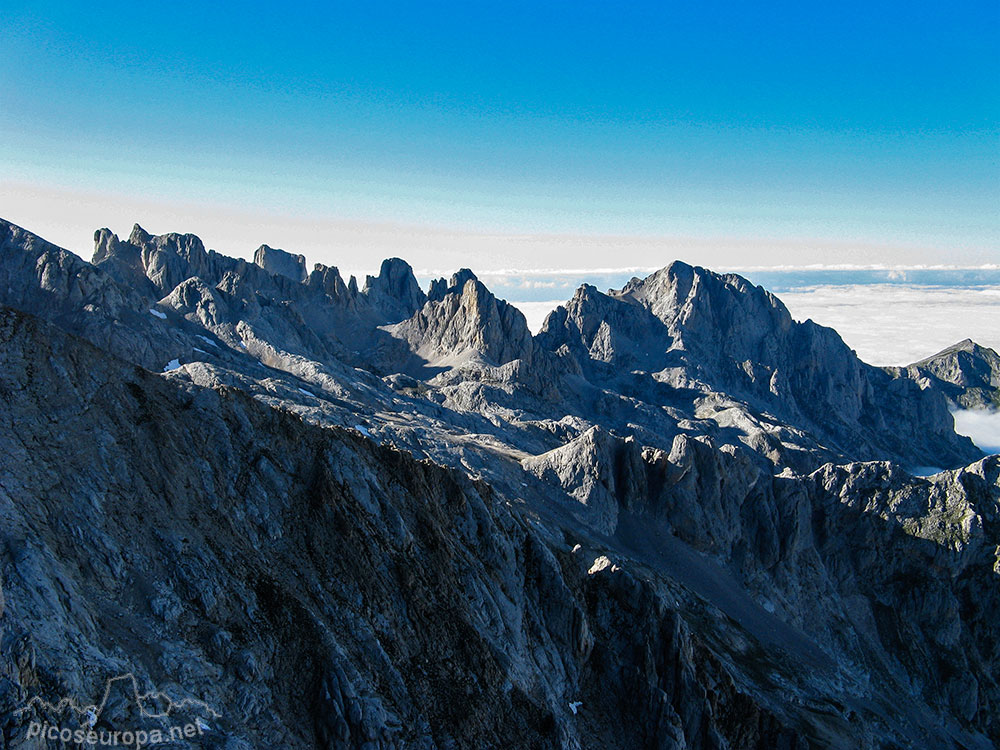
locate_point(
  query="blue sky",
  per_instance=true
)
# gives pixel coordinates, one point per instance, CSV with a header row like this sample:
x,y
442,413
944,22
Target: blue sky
x,y
722,132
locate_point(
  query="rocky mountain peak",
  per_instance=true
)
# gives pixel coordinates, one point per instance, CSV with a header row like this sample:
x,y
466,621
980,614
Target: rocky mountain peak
x,y
106,245
663,292
461,276
966,373
467,323
395,290
139,236
699,305
169,259
440,287
279,262
121,260
958,351
329,281
586,310
598,327
720,321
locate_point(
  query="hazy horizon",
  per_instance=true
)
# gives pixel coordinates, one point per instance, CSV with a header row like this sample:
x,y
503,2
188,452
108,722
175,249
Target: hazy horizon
x,y
435,251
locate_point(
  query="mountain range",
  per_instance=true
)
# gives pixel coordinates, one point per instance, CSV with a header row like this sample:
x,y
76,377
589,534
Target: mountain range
x,y
366,515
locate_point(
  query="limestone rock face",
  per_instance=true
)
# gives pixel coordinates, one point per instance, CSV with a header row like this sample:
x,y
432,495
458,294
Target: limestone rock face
x,y
172,258
966,373
279,262
695,328
205,305
327,279
599,470
122,261
598,328
440,287
315,315
676,518
40,277
395,290
35,272
467,322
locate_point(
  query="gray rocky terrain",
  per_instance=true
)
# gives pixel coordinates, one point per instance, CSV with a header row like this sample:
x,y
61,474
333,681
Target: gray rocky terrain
x,y
376,517
966,373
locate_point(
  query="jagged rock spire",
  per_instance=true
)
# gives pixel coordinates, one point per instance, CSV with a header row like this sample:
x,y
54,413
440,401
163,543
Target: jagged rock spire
x,y
395,290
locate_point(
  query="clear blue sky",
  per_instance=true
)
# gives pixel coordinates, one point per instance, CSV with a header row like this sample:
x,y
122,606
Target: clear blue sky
x,y
869,124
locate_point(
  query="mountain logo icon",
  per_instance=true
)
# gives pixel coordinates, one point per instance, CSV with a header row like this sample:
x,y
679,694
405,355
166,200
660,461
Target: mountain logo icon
x,y
154,704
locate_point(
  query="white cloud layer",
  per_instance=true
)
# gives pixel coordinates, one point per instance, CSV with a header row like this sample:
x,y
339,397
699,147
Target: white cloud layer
x,y
897,325
982,426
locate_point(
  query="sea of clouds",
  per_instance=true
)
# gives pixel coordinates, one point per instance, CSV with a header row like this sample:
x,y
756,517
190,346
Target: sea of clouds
x,y
898,325
982,426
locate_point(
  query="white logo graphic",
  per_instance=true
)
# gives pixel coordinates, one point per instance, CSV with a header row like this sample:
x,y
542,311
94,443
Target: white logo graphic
x,y
152,705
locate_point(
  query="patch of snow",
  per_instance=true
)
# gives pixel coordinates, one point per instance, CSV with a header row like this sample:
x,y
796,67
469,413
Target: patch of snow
x,y
363,430
207,340
158,314
172,365
601,563
574,706
200,351
303,390
243,344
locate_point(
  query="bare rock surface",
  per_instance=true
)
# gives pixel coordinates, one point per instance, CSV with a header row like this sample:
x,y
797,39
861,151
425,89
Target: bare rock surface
x,y
382,519
690,328
276,261
966,373
466,322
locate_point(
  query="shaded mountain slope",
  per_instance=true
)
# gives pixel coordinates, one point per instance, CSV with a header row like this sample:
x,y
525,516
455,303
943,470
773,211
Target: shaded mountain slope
x,y
624,536
298,577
